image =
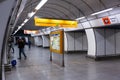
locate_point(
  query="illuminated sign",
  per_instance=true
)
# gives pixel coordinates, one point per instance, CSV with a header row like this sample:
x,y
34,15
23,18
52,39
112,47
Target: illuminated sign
x,y
31,31
54,22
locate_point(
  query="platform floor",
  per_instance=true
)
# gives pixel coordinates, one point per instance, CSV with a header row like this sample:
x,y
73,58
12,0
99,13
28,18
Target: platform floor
x,y
37,66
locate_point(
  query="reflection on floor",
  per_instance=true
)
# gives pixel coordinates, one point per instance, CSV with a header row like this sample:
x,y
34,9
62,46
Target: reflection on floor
x,y
77,67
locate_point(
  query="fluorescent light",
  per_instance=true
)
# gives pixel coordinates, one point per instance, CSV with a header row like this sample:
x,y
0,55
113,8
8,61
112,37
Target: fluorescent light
x,y
19,27
31,14
102,11
22,24
16,31
80,18
42,2
26,20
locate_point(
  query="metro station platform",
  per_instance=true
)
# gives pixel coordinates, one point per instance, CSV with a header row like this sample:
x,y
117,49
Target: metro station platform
x,y
37,66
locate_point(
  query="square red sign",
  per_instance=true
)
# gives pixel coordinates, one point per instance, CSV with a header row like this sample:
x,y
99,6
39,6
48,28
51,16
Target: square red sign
x,y
106,20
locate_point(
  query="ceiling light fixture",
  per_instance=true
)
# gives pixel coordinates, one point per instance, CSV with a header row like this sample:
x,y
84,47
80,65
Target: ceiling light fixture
x,y
22,24
26,20
19,27
80,18
31,14
15,31
40,4
102,11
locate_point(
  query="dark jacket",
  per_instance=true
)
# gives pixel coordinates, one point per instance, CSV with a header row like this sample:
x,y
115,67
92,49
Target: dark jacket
x,y
21,43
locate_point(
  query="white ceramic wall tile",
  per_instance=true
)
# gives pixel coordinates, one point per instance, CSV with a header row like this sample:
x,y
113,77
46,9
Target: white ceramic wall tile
x,y
80,26
117,41
100,41
46,41
96,23
110,41
118,17
37,41
70,37
40,40
78,41
65,42
85,42
86,24
91,42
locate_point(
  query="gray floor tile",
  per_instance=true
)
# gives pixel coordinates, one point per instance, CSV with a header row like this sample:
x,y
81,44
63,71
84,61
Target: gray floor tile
x,y
77,67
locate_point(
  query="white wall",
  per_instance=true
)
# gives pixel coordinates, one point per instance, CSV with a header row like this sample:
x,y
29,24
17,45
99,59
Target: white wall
x,y
100,42
85,42
38,41
91,42
46,40
107,42
78,44
65,42
117,36
70,41
110,41
76,41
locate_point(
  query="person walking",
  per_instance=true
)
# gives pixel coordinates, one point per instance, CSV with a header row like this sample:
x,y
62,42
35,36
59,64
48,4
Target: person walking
x,y
21,45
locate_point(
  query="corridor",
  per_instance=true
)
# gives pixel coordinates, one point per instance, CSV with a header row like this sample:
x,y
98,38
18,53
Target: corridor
x,y
77,67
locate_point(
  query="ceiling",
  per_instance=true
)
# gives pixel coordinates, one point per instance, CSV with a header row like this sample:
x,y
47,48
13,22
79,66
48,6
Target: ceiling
x,y
64,9
1,1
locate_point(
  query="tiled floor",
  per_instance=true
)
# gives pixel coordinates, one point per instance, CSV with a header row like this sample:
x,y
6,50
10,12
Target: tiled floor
x,y
77,67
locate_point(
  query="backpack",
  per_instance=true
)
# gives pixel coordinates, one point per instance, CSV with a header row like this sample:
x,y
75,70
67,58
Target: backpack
x,y
13,63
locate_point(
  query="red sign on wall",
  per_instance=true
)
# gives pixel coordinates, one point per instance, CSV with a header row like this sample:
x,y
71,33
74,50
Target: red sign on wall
x,y
106,20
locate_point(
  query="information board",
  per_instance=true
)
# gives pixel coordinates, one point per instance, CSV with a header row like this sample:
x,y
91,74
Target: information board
x,y
54,22
57,41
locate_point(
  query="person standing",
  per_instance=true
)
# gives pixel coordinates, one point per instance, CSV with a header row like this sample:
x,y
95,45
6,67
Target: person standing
x,y
10,43
29,44
21,45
